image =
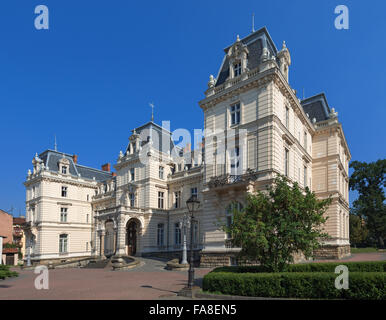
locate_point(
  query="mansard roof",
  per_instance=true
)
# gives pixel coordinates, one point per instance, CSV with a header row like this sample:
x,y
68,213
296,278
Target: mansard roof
x,y
157,134
316,107
51,158
254,44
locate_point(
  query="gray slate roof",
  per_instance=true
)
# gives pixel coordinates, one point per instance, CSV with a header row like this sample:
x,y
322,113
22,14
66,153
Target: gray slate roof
x,y
159,136
316,107
51,159
255,47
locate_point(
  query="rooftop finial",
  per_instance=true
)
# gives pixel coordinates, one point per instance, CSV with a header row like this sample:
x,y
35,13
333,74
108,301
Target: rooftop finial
x,y
253,22
284,45
55,145
238,38
151,104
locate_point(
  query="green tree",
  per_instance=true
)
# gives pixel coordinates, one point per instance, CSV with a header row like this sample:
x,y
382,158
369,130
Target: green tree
x,y
358,231
369,179
278,223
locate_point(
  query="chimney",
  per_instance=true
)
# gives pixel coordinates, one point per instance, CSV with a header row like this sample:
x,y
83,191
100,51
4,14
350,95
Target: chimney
x,y
75,158
106,167
114,174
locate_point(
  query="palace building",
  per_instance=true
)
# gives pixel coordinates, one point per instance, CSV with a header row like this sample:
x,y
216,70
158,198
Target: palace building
x,y
255,128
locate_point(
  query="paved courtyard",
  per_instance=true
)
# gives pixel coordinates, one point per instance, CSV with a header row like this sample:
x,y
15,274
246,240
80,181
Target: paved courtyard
x,y
148,281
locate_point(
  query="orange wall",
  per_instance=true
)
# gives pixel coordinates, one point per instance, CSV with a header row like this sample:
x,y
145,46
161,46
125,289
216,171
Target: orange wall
x,y
6,222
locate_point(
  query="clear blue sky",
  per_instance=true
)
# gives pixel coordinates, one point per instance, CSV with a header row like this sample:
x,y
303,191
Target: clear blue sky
x,y
89,78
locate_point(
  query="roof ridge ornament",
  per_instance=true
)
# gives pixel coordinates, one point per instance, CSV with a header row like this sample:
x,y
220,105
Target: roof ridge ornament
x,y
238,38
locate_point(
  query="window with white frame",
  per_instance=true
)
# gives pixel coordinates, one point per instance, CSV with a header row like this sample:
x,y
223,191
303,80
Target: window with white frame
x,y
286,162
160,200
161,172
235,114
64,191
177,199
64,169
160,234
177,234
63,214
237,69
132,199
63,239
287,117
195,232
132,174
193,191
305,140
234,159
305,176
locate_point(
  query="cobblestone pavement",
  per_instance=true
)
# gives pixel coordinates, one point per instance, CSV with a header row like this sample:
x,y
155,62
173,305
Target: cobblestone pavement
x,y
148,281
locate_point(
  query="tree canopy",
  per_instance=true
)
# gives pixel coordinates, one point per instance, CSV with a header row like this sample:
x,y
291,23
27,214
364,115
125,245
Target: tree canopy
x,y
278,223
369,179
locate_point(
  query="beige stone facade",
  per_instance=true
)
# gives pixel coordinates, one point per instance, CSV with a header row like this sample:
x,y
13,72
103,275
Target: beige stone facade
x,y
255,128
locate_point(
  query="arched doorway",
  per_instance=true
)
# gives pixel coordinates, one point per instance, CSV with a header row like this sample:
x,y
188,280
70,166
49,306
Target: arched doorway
x,y
131,230
109,238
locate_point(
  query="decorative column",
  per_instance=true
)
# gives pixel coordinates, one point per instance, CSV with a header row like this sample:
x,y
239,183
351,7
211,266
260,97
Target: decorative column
x,y
102,243
121,236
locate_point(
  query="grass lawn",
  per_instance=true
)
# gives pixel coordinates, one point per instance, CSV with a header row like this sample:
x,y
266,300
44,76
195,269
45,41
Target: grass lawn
x,y
363,250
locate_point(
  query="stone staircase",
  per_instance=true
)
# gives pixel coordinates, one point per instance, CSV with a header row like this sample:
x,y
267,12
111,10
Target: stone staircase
x,y
98,264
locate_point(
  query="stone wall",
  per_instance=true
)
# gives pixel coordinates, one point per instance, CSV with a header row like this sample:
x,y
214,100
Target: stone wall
x,y
332,252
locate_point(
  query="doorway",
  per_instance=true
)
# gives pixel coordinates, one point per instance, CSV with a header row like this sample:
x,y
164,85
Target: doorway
x,y
131,238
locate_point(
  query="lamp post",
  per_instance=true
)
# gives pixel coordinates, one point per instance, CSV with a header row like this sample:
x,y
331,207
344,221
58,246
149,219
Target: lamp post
x,y
192,203
184,225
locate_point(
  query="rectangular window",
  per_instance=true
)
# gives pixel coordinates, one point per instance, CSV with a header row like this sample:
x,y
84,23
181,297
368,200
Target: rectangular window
x,y
63,243
64,170
161,172
132,174
305,140
132,199
287,117
286,162
64,191
177,234
195,233
193,192
305,176
160,234
63,214
86,246
160,200
234,160
177,199
237,69
235,114
87,217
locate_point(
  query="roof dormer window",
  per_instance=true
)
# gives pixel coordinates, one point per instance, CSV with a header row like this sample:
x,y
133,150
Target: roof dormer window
x,y
237,69
64,169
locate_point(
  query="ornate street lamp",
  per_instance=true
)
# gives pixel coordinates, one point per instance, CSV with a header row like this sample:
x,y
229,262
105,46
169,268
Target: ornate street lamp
x,y
192,205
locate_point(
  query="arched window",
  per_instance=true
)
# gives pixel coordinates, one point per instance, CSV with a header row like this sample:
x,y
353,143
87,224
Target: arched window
x,y
229,214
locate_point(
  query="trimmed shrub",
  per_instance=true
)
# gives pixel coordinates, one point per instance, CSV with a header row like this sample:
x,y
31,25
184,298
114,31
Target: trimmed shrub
x,y
309,285
5,272
366,266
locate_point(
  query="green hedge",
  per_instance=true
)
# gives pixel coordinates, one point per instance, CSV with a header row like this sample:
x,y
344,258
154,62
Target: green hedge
x,y
5,272
372,266
310,285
